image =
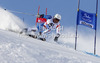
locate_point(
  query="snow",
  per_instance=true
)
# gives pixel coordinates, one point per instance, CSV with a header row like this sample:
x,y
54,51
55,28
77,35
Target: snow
x,y
18,48
85,40
9,21
23,49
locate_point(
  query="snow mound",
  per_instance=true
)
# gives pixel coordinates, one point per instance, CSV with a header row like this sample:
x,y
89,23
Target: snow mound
x,y
9,21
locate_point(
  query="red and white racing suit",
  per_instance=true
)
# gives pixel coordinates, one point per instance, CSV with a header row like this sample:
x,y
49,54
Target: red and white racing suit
x,y
50,25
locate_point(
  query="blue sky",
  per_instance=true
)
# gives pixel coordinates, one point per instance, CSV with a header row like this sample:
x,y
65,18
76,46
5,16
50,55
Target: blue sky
x,y
67,8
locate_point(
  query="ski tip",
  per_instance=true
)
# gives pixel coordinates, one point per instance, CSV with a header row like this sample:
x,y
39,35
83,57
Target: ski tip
x,y
43,39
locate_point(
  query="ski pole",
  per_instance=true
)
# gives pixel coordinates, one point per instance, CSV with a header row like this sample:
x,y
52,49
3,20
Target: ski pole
x,y
20,12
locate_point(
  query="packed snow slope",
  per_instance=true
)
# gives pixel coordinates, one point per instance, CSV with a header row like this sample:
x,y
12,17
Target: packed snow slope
x,y
16,48
9,21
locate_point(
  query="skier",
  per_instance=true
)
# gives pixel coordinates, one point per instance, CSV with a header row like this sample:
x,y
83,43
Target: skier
x,y
53,23
47,22
40,20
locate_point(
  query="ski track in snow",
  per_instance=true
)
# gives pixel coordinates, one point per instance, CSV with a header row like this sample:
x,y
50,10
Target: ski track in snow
x,y
16,48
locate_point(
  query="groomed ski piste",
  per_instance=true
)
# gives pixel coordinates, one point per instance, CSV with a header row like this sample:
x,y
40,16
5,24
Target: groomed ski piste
x,y
17,48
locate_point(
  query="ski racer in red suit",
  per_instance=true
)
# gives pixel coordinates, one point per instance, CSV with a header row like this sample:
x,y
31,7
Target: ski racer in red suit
x,y
53,23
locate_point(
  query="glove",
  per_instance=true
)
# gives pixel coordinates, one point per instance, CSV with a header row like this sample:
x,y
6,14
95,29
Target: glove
x,y
51,24
56,37
38,15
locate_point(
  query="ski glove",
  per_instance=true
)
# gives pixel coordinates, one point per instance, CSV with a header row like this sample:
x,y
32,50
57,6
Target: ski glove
x,y
40,16
56,37
51,24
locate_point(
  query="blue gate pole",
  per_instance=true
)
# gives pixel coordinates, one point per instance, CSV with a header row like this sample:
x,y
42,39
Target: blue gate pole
x,y
96,28
77,24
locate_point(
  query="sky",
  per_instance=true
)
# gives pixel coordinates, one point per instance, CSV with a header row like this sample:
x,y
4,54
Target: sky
x,y
67,9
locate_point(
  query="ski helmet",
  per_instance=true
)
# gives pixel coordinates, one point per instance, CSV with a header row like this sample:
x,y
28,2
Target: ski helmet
x,y
57,16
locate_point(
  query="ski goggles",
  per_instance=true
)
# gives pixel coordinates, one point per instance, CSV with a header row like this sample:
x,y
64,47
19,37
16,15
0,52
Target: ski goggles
x,y
55,20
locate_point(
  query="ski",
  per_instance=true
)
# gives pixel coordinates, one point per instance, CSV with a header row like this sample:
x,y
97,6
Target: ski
x,y
43,39
34,36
